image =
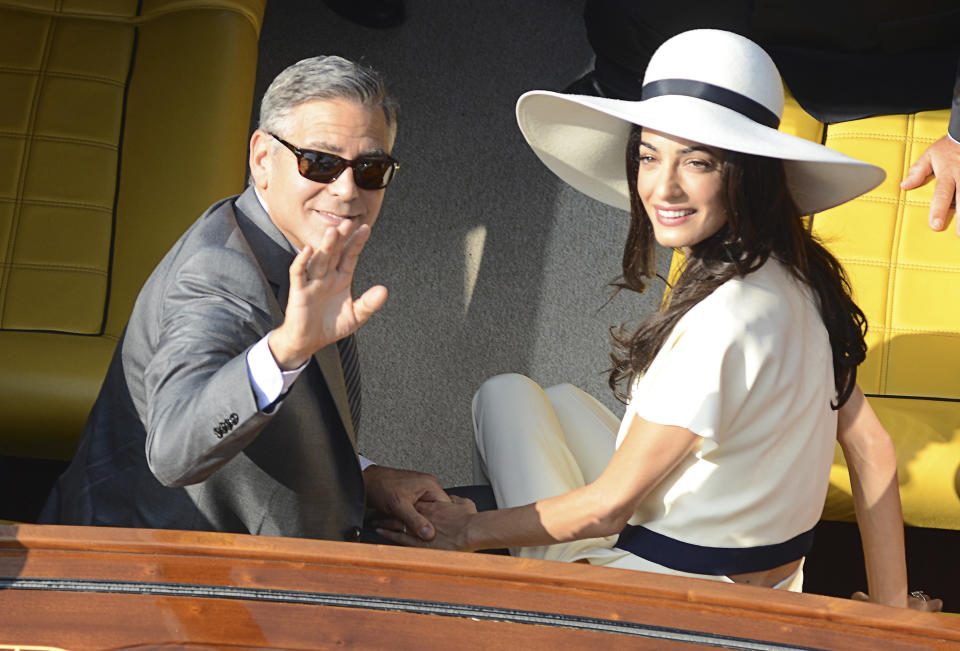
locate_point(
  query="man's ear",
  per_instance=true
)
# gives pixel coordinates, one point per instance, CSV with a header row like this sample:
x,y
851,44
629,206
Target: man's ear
x,y
260,160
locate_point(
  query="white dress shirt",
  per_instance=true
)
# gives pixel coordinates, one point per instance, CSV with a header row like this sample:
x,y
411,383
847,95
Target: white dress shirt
x,y
268,381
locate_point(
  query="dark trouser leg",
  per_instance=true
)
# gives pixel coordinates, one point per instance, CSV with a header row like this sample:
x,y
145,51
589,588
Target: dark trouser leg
x,y
624,34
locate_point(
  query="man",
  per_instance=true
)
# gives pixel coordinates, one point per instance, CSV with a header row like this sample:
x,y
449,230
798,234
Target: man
x,y
231,401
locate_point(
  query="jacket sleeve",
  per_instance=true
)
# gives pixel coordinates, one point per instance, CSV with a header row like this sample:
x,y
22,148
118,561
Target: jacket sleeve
x,y
201,409
954,128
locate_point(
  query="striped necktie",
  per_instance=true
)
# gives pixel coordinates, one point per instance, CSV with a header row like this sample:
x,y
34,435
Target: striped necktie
x,y
350,361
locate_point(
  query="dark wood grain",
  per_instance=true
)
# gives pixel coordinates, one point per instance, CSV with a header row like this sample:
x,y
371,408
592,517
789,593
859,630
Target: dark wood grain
x,y
299,594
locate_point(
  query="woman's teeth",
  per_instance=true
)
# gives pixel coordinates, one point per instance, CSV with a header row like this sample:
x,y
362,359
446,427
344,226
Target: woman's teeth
x,y
672,214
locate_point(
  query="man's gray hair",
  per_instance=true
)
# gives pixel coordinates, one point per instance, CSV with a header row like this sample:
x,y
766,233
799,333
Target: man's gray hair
x,y
325,78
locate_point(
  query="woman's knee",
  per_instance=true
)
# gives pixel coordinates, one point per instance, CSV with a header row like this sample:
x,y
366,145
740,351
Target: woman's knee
x,y
565,392
571,402
503,404
503,387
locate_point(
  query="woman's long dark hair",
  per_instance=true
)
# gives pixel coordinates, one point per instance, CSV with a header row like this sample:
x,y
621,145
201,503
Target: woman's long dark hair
x,y
762,221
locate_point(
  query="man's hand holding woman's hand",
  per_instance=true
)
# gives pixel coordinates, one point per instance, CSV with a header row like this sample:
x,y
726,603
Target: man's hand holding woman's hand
x,y
320,305
398,494
449,520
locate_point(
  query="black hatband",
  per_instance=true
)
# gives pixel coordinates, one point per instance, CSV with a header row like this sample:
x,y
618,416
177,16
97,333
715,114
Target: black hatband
x,y
716,94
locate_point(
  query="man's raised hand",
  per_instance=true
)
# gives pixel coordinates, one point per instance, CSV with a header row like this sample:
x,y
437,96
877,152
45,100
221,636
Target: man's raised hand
x,y
320,305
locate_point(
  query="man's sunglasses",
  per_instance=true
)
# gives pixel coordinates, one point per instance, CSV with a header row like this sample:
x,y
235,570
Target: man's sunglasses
x,y
369,172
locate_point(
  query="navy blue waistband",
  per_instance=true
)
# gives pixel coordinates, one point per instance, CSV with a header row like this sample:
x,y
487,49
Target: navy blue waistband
x,y
697,559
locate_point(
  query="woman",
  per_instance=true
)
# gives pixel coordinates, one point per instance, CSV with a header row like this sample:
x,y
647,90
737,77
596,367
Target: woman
x,y
720,466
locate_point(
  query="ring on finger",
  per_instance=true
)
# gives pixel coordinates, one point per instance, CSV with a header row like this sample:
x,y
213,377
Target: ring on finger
x,y
920,594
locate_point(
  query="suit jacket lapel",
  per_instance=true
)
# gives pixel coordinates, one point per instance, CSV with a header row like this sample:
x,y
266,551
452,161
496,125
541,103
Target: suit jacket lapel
x,y
271,248
275,255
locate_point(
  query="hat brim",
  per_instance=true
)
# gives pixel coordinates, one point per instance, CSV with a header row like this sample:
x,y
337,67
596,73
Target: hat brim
x,y
583,140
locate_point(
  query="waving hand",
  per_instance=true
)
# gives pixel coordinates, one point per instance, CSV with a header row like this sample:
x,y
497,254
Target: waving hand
x,y
320,306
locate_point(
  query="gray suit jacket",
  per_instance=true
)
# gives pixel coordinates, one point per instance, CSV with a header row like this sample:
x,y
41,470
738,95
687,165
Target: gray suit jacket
x,y
175,439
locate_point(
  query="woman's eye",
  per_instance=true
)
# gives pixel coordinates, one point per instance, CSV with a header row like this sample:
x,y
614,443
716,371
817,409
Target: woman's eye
x,y
701,164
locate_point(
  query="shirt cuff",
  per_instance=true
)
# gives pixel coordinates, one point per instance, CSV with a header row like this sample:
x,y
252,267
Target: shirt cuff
x,y
365,462
266,378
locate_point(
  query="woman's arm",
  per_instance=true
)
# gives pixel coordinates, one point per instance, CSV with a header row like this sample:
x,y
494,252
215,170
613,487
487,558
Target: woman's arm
x,y
872,462
648,453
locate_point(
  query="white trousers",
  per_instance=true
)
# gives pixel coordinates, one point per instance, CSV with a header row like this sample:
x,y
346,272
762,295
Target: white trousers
x,y
534,443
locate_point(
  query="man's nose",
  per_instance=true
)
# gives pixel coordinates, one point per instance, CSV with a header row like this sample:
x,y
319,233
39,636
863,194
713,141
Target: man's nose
x,y
345,185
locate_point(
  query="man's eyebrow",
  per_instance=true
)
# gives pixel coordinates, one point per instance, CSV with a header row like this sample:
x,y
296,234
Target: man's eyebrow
x,y
319,145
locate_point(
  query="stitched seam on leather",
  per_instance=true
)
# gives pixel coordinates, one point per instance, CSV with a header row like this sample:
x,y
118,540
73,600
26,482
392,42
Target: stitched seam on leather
x,y
864,135
58,12
250,16
891,200
71,333
88,142
47,266
913,266
25,163
895,256
79,76
121,135
929,331
60,204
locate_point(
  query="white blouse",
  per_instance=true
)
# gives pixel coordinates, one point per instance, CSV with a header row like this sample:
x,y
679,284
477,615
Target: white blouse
x,y
749,369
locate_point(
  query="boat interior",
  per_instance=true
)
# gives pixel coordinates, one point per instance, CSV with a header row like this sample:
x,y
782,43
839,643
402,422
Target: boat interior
x,y
122,121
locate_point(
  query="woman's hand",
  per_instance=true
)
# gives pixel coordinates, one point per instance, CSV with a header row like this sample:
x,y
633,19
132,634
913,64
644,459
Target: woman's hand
x,y
449,521
917,600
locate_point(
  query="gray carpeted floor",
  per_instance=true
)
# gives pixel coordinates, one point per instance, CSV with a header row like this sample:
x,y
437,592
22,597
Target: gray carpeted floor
x,y
492,263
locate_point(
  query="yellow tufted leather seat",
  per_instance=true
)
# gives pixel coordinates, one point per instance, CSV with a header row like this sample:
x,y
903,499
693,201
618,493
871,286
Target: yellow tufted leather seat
x,y
906,279
120,122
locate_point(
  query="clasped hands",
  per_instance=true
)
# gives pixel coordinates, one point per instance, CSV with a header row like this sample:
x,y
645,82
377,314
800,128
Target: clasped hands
x,y
320,305
446,518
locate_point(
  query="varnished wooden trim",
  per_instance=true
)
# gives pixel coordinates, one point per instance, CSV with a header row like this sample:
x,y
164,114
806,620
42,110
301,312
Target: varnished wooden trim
x,y
412,606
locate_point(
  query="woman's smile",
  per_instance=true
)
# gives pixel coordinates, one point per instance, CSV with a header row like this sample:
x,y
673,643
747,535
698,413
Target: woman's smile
x,y
673,216
680,185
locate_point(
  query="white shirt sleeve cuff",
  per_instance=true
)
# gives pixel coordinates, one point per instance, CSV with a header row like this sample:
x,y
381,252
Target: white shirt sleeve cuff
x,y
952,138
365,462
266,378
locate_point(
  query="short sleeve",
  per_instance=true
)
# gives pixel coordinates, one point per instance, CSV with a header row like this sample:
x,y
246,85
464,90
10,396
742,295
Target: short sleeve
x,y
699,378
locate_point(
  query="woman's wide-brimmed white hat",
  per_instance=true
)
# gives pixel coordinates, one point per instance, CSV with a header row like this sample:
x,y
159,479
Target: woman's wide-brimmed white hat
x,y
709,86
